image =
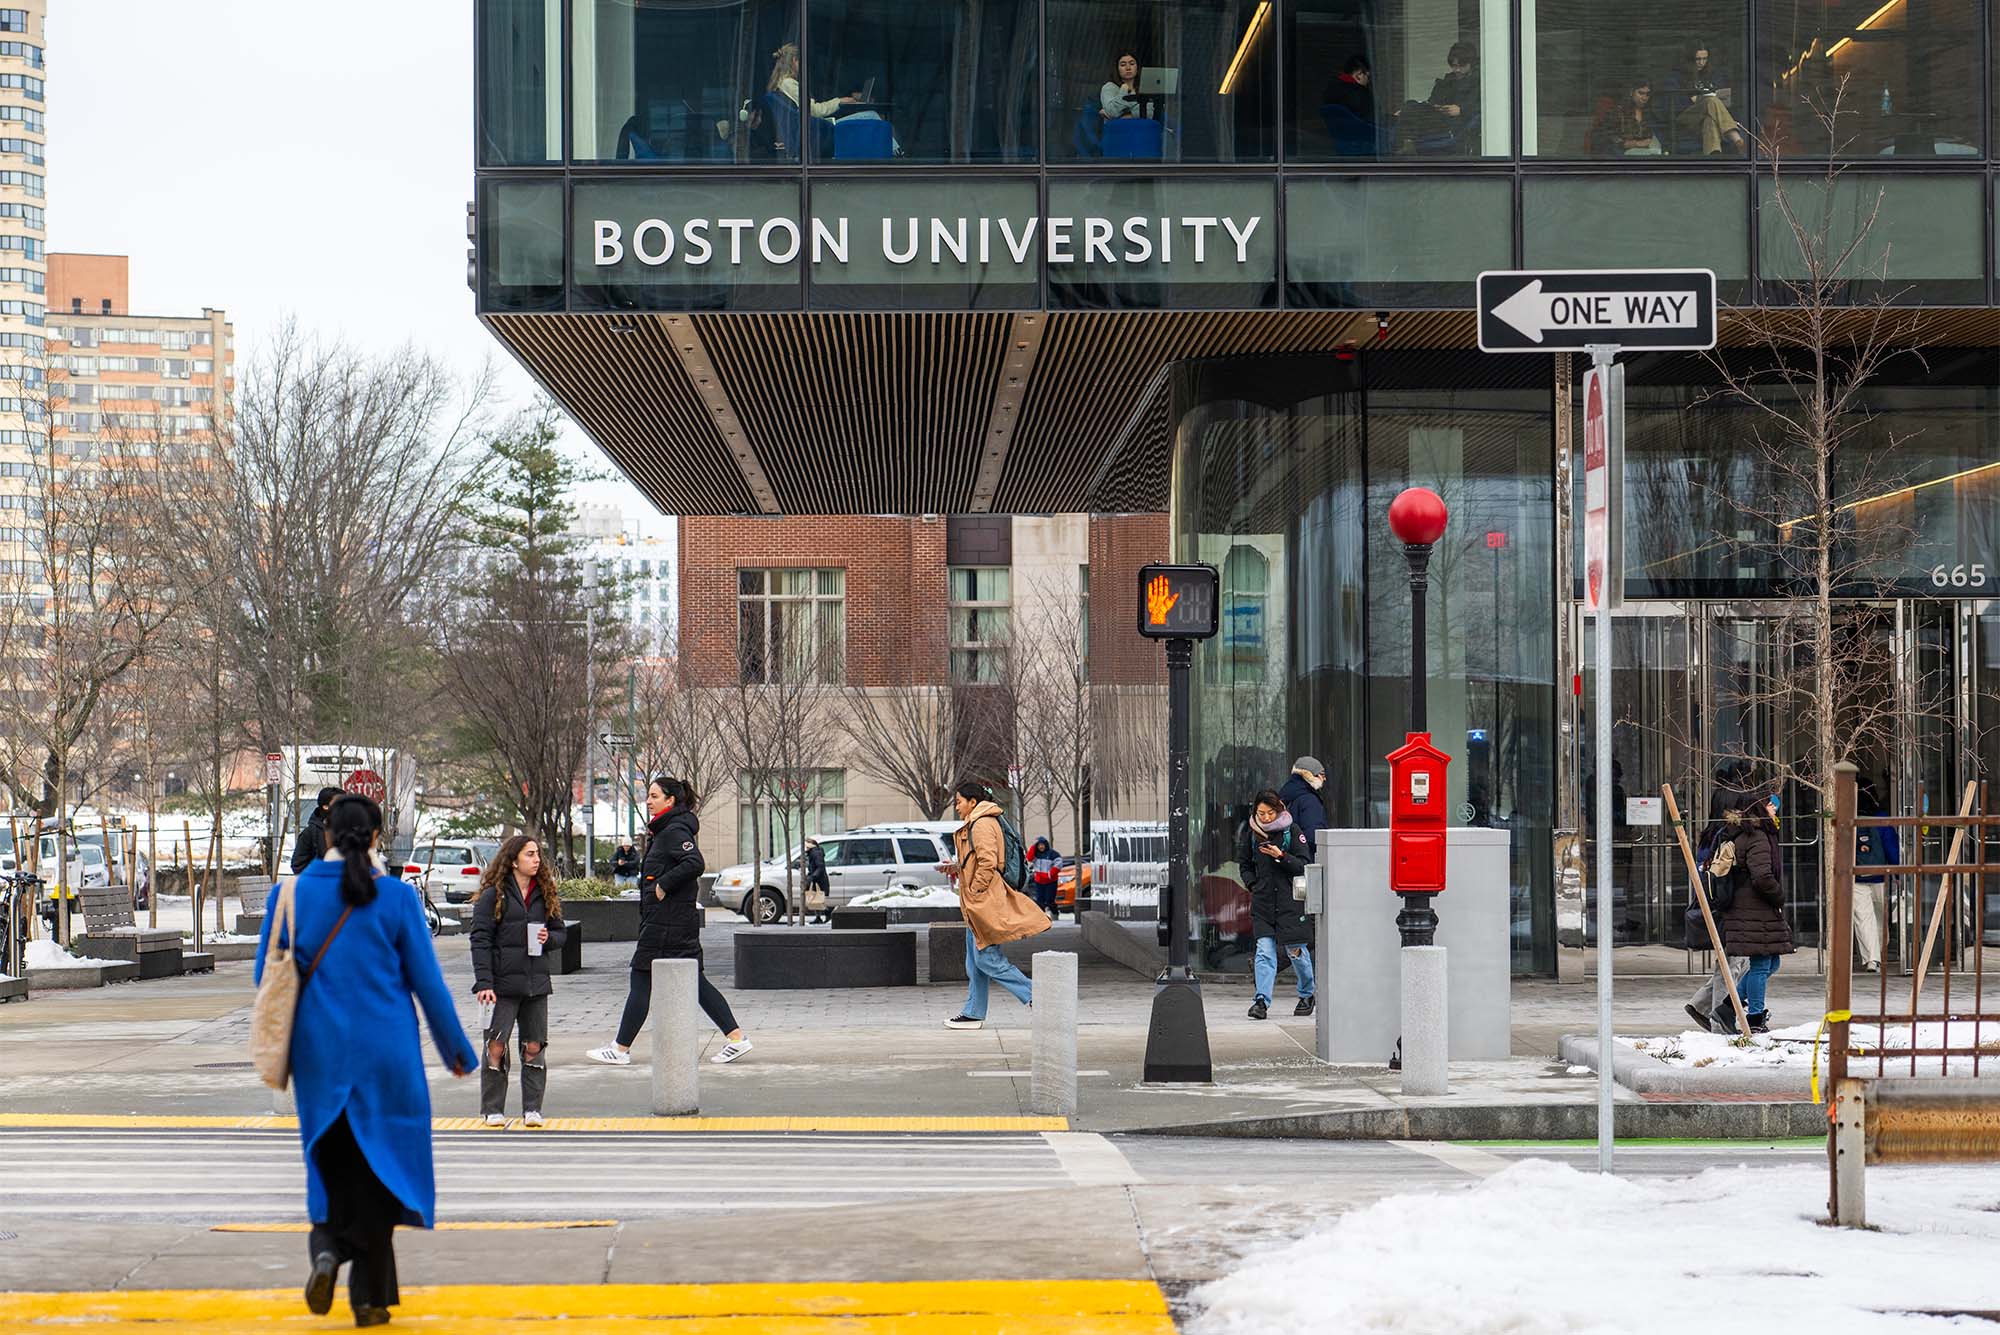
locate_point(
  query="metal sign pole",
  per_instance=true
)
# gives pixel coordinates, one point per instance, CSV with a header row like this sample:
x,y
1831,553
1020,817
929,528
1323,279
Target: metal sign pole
x,y
1609,585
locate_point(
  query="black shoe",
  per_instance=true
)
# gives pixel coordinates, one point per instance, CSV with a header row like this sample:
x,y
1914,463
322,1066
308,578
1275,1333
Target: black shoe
x,y
1258,1010
371,1316
1700,1019
1305,1006
319,1285
1760,1022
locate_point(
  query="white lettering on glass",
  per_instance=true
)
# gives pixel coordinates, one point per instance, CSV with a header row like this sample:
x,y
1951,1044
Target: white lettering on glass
x,y
610,249
653,257
736,227
827,241
695,249
1242,237
889,252
790,252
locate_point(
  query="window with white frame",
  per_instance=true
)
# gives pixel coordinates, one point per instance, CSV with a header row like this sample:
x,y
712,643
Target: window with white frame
x,y
981,616
821,794
792,625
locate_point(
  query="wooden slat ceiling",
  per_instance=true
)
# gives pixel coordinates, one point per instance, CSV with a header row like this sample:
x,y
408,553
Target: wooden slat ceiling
x,y
894,412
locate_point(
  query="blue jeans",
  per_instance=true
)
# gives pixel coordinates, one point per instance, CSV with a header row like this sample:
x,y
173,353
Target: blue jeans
x,y
990,965
1267,967
1751,989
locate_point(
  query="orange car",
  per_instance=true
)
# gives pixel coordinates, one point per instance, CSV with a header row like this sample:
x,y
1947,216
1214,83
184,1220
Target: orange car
x,y
1066,885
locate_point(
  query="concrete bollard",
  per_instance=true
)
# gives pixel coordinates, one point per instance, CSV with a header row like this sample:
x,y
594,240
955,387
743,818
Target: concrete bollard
x,y
1054,1034
677,1021
1426,1029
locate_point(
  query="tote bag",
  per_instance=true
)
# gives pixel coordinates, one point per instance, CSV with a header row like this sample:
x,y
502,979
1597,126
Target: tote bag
x,y
277,1004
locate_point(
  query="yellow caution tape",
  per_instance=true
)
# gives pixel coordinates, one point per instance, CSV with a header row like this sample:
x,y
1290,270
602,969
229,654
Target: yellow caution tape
x,y
1831,1017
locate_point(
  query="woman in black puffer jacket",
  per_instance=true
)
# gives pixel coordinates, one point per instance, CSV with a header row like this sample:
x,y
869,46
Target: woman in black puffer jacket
x,y
1754,923
670,921
517,906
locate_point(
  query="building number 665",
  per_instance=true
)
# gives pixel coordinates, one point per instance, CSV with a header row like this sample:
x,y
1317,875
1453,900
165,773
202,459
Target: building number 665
x,y
1959,576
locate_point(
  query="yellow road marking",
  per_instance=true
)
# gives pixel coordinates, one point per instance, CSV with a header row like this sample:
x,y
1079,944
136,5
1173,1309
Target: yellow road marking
x,y
1030,1307
456,1225
122,1122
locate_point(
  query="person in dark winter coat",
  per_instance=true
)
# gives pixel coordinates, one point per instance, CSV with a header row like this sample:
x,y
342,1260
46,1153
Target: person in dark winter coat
x,y
517,924
1874,846
1709,1006
1754,923
311,843
1269,858
1301,798
1044,874
670,921
358,1080
817,882
625,864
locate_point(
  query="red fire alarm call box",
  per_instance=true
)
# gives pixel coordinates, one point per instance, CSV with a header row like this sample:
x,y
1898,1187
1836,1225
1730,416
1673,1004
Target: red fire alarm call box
x,y
1417,819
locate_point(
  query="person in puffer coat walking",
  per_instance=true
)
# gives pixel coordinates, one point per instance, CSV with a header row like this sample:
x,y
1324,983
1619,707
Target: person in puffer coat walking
x,y
1270,854
1754,923
517,923
670,921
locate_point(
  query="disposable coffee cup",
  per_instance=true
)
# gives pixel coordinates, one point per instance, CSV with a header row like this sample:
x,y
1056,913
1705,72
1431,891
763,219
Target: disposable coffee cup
x,y
534,939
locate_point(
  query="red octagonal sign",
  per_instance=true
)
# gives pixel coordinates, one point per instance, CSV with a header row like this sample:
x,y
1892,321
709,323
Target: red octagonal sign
x,y
368,784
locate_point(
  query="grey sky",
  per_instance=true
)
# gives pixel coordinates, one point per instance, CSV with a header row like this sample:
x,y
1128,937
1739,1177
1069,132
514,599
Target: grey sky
x,y
275,158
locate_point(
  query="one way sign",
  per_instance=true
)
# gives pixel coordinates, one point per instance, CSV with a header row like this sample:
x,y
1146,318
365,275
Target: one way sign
x,y
1568,310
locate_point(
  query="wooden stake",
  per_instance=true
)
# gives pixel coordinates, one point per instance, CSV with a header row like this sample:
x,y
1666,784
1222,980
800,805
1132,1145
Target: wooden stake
x,y
1701,899
1946,881
194,886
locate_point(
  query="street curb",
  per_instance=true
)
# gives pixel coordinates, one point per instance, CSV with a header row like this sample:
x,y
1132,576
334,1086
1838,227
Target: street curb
x,y
1692,1120
1643,1073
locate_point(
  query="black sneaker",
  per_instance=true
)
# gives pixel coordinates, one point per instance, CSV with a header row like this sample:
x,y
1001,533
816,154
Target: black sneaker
x,y
319,1287
1305,1006
962,1022
1258,1009
1694,1013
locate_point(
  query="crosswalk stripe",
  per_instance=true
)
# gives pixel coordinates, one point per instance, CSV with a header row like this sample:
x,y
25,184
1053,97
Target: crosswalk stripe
x,y
89,1121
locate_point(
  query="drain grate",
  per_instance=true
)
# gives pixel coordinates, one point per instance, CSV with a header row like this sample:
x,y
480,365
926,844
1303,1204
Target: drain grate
x,y
225,1066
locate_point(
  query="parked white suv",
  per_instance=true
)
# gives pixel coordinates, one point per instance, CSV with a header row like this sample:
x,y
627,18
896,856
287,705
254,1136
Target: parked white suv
x,y
874,857
451,868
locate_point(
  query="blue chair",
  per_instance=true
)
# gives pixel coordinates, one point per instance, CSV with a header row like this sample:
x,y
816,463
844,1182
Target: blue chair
x,y
1134,137
1089,137
1450,141
784,114
1352,136
855,139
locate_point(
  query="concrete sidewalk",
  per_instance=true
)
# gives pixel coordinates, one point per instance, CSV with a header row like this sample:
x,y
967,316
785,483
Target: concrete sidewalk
x,y
177,1046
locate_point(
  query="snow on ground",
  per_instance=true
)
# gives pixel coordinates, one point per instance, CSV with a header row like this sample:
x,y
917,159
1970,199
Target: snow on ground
x,y
1792,1048
908,897
1543,1249
46,954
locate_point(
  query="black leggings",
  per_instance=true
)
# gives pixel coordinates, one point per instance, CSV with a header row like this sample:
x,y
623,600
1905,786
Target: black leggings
x,y
361,1218
639,999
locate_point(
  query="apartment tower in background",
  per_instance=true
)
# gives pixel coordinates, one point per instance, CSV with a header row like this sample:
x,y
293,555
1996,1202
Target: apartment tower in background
x,y
139,382
23,240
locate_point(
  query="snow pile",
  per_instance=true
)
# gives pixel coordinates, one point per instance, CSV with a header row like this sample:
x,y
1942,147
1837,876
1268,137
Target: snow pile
x,y
1541,1247
908,897
1792,1048
46,954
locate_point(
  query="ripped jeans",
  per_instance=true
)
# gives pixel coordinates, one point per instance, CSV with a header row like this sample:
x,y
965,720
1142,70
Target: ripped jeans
x,y
532,1016
1266,967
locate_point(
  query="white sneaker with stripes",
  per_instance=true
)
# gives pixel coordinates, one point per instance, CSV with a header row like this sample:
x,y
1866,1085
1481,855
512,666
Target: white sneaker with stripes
x,y
730,1052
610,1055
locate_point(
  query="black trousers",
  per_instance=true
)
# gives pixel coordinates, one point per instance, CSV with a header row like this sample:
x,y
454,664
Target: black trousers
x,y
639,997
361,1217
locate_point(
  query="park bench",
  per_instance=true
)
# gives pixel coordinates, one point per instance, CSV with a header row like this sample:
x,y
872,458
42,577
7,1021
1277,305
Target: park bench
x,y
111,932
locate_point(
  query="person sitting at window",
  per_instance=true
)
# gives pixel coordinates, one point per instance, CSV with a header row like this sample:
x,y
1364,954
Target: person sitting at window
x,y
1445,121
1700,92
785,82
1629,130
1119,97
1350,91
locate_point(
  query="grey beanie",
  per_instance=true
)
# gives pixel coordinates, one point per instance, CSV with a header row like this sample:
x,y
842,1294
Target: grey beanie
x,y
1308,765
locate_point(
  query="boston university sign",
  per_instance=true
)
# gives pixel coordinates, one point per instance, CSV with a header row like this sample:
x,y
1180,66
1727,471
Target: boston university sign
x,y
936,241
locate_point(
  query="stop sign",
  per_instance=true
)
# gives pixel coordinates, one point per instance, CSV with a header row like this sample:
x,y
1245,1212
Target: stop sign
x,y
368,784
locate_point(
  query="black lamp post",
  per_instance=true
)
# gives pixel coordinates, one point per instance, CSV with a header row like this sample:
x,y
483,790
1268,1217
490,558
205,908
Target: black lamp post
x,y
1417,517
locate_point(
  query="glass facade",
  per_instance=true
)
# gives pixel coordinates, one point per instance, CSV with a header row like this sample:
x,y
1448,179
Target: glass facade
x,y
1283,474
1402,145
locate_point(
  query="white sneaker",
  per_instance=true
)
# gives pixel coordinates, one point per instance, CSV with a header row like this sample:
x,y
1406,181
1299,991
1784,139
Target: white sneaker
x,y
610,1055
496,1119
730,1052
963,1022
532,1120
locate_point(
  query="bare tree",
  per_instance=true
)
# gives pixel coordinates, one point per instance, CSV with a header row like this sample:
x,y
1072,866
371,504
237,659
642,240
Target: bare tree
x,y
747,731
678,725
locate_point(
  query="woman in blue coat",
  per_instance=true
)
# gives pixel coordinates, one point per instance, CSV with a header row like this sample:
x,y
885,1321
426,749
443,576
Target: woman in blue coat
x,y
357,1062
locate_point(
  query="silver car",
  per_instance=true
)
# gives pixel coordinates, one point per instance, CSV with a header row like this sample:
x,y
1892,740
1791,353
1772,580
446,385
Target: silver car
x,y
875,857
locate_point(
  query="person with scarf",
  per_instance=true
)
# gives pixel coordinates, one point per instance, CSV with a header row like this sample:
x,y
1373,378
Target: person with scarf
x,y
1269,857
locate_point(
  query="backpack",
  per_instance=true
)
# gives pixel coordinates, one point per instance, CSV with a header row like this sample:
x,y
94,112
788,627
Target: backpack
x,y
1014,862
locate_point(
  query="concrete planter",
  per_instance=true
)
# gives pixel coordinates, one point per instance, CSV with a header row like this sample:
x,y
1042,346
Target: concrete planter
x,y
230,950
249,924
919,915
569,959
13,989
72,976
605,919
813,960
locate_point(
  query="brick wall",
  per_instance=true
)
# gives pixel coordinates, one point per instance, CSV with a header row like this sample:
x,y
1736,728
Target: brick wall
x,y
1119,546
896,597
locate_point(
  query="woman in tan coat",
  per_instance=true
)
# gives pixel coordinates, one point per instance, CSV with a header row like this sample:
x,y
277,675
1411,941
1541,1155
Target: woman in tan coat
x,y
995,912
